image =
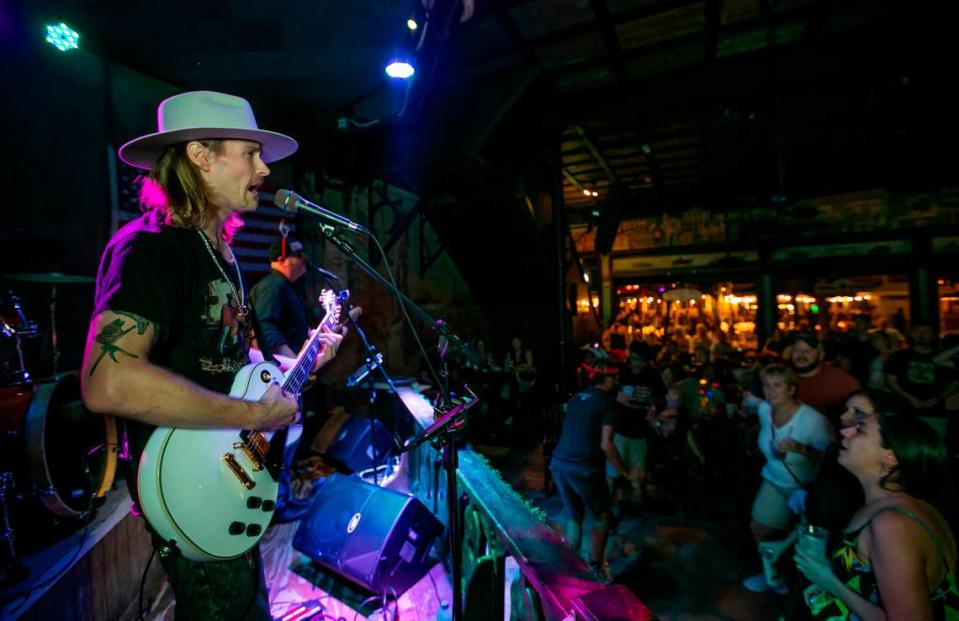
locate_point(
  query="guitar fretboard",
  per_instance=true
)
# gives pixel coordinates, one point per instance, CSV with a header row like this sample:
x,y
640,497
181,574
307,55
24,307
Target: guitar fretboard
x,y
300,371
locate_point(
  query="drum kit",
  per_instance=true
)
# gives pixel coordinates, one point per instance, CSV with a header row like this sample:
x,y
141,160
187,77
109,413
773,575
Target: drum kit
x,y
57,459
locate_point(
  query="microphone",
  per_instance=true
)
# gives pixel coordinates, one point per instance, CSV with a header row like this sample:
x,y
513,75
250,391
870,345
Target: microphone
x,y
292,202
319,270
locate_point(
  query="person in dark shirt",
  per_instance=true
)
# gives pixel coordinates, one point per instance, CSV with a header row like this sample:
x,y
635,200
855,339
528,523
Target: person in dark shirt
x,y
286,318
915,377
156,353
280,301
857,347
641,390
585,442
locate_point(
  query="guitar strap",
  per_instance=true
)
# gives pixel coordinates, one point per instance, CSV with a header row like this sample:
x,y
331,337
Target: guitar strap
x,y
258,333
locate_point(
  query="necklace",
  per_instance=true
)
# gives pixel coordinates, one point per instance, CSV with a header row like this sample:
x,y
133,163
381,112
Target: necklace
x,y
239,296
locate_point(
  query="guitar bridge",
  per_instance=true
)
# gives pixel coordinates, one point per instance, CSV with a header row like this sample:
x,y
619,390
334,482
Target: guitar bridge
x,y
254,446
238,471
256,461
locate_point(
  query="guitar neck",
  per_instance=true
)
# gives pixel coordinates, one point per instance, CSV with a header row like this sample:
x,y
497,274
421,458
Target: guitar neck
x,y
300,371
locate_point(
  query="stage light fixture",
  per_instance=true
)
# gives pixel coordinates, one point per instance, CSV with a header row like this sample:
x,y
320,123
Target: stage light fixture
x,y
411,24
400,70
63,37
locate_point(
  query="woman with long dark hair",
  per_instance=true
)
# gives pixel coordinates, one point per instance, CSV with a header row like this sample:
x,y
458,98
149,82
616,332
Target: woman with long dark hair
x,y
897,556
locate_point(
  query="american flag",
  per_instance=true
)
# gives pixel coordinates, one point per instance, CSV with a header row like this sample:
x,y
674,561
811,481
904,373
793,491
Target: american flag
x,y
252,242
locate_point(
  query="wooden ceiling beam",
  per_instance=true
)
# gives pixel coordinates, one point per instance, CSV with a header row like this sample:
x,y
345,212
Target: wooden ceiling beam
x,y
607,29
512,32
599,157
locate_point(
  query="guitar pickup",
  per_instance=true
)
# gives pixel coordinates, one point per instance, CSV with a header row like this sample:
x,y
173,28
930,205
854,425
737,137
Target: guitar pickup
x,y
238,471
256,460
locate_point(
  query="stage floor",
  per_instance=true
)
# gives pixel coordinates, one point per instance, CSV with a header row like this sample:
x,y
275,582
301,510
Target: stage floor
x,y
296,597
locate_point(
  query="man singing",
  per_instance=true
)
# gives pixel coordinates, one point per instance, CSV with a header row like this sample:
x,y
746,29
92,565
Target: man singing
x,y
167,283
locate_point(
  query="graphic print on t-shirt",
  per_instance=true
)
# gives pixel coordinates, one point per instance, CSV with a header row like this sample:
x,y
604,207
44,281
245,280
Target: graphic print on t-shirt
x,y
223,332
921,372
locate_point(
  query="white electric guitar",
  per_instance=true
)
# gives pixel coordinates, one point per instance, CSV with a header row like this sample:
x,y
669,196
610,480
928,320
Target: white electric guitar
x,y
212,492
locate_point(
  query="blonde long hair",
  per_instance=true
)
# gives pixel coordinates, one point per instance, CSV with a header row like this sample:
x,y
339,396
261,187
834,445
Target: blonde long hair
x,y
175,190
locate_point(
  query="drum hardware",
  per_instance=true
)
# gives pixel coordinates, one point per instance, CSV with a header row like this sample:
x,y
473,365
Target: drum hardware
x,y
53,279
17,328
54,352
10,568
50,278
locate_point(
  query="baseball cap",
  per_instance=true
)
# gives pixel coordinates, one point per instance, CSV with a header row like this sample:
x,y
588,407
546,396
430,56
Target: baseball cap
x,y
293,246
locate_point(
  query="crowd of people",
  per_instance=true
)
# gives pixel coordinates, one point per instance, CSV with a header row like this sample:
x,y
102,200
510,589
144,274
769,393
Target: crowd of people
x,y
855,434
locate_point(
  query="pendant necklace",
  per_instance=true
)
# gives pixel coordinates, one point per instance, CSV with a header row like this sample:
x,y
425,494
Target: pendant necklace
x,y
239,296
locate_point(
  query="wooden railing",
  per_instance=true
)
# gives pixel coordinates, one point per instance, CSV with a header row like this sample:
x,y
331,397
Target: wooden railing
x,y
499,524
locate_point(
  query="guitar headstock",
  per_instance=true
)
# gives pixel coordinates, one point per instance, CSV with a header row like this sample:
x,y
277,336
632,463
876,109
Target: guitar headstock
x,y
331,308
333,303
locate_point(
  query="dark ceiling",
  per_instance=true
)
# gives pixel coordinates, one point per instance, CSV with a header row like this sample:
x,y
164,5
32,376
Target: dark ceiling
x,y
715,103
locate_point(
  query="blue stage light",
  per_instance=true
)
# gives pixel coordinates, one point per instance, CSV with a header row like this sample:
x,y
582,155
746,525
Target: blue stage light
x,y
63,37
400,70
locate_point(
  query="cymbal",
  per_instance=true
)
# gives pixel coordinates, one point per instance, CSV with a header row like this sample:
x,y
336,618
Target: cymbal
x,y
54,278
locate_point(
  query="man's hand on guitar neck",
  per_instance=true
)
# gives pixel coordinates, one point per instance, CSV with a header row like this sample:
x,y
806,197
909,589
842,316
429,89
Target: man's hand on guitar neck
x,y
330,344
285,358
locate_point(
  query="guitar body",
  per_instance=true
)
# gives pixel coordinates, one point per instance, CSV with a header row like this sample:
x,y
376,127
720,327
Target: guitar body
x,y
211,492
207,490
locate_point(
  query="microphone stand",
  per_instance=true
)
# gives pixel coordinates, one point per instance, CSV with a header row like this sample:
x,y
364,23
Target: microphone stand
x,y
450,459
373,363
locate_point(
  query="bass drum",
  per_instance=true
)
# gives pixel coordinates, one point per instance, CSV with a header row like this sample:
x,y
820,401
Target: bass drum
x,y
62,454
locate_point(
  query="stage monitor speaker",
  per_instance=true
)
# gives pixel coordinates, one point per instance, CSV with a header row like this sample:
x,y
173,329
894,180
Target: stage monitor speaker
x,y
351,447
375,537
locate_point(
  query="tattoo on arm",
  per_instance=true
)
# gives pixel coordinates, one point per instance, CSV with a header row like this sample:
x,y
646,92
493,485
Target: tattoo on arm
x,y
114,331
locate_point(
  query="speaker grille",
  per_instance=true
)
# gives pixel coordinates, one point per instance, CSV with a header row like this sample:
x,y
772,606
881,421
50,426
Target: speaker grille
x,y
375,537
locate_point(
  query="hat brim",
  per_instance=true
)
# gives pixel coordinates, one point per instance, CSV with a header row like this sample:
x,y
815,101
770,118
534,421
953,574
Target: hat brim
x,y
144,151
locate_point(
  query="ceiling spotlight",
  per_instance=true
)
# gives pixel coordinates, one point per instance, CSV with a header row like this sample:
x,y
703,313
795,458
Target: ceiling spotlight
x,y
400,70
411,24
586,192
63,37
594,193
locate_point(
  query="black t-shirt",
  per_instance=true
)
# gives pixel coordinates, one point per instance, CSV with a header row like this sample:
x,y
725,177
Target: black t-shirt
x,y
282,311
642,389
580,443
166,275
917,373
861,355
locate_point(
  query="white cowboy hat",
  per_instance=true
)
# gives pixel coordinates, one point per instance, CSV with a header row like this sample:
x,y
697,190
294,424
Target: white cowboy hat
x,y
204,114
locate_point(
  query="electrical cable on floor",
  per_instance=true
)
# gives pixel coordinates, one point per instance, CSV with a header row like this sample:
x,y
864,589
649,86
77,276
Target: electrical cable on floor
x,y
436,590
143,580
384,606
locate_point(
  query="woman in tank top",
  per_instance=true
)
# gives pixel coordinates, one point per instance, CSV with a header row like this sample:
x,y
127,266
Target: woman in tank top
x,y
897,557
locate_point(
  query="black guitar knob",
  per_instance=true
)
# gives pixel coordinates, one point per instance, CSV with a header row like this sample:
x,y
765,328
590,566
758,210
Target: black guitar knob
x,y
237,528
253,530
253,502
269,505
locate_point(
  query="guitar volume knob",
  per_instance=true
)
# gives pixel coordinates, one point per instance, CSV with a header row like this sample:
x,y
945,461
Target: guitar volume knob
x,y
253,502
253,530
237,528
269,505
